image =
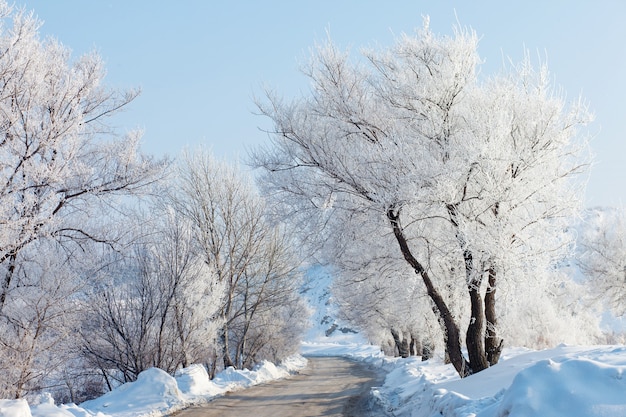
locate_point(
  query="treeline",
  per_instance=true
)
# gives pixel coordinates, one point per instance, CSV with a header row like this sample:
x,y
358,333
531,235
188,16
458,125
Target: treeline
x,y
111,261
442,201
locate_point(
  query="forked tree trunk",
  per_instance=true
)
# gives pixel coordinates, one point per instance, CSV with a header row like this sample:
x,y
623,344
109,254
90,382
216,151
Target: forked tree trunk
x,y
402,344
475,335
474,338
452,338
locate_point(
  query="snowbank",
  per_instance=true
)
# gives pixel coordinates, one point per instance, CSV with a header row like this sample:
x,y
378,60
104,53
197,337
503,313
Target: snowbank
x,y
49,409
194,382
564,381
156,393
573,381
14,408
571,387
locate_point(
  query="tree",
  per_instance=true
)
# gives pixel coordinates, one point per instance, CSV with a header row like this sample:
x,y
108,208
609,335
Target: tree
x,y
253,259
156,306
376,292
39,319
61,164
602,258
55,159
374,303
414,142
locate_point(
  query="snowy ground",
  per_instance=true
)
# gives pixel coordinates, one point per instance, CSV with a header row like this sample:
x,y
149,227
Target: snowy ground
x,y
156,393
573,381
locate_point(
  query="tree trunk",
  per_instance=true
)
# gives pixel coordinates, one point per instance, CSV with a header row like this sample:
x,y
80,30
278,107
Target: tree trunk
x,y
224,337
107,380
225,347
474,337
428,349
452,338
415,347
211,363
493,344
8,277
402,344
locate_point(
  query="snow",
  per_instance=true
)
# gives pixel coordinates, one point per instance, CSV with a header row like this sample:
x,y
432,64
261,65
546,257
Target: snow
x,y
156,393
194,381
573,381
327,335
14,408
561,388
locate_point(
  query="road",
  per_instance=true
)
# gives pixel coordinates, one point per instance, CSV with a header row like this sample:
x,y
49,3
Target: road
x,y
327,387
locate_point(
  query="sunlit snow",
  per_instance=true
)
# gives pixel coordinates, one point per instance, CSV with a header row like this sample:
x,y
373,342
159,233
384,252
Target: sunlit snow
x,y
573,381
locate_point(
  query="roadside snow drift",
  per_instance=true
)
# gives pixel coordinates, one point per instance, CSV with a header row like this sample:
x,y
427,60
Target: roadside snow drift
x,y
564,381
574,387
154,390
14,408
156,393
194,381
567,381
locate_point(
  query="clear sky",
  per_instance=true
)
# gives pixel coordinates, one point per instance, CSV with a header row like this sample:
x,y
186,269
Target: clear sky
x,y
199,63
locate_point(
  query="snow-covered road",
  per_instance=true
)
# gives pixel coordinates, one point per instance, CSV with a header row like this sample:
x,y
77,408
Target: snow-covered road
x,y
328,386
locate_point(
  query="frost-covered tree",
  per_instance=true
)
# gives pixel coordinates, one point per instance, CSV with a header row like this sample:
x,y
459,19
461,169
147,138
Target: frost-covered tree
x,y
401,318
39,321
471,177
602,257
60,165
58,156
155,306
262,312
375,290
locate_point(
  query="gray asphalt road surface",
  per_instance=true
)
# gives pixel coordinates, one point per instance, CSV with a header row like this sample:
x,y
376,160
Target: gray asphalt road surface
x,y
327,387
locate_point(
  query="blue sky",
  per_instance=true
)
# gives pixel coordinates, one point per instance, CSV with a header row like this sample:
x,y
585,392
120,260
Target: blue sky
x,y
200,63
